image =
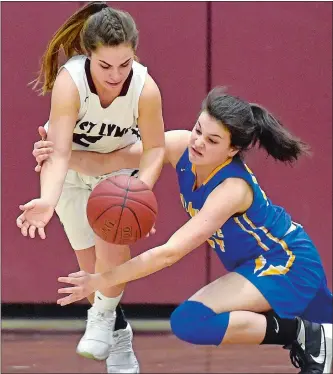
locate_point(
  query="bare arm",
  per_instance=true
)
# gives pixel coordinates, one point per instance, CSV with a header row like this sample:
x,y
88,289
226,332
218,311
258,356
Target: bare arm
x,y
65,104
232,196
94,164
176,141
147,155
151,126
64,109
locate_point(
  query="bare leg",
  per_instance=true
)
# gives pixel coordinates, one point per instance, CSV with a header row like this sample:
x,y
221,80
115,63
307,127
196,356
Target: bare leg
x,y
87,259
310,343
245,328
99,339
107,257
234,293
99,342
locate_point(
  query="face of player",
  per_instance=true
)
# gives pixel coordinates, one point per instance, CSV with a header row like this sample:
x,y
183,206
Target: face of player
x,y
110,66
210,142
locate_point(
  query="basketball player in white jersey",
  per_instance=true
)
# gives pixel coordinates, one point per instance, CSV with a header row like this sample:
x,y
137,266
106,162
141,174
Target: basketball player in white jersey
x,y
102,101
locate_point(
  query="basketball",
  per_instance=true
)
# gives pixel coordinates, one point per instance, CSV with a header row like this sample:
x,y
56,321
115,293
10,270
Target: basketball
x,y
121,209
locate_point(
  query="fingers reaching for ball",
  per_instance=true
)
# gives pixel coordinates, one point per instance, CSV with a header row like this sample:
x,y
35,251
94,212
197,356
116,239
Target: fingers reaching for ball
x,y
84,285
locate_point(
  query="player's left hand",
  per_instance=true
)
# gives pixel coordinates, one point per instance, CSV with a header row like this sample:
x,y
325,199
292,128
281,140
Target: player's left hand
x,y
85,285
42,149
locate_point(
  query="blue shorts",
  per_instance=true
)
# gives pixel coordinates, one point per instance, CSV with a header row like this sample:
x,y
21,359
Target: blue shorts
x,y
292,279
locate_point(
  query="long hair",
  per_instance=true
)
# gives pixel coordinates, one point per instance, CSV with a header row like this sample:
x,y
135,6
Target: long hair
x,y
249,124
93,25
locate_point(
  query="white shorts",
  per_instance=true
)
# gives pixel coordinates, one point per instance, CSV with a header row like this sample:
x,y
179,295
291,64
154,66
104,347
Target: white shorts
x,y
72,206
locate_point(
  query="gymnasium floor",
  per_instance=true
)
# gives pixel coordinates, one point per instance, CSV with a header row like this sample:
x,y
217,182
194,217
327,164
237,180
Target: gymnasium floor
x,y
50,350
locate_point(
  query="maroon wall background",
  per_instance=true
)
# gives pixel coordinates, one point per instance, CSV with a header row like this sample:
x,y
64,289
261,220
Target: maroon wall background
x,y
278,54
31,266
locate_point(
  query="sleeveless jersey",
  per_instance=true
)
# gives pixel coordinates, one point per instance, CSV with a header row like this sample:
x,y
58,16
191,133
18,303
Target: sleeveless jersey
x,y
101,129
242,237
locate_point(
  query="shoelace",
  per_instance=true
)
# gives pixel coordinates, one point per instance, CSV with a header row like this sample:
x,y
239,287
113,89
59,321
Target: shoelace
x,y
123,343
97,318
297,355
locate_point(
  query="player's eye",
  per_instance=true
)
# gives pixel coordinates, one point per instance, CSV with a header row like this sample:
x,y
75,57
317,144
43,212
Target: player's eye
x,y
212,141
104,67
198,131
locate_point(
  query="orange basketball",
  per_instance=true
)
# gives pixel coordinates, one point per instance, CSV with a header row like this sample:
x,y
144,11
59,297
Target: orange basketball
x,y
121,209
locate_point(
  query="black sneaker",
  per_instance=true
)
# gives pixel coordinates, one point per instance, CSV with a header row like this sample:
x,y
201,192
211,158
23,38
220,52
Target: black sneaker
x,y
312,349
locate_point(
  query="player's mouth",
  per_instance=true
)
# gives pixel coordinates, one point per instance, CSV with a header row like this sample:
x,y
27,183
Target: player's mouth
x,y
113,84
195,152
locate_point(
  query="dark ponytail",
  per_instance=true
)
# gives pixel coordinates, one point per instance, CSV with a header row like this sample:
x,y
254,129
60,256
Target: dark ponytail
x,y
276,139
251,124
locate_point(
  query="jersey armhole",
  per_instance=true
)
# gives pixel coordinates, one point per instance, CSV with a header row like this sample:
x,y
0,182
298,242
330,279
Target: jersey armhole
x,y
246,180
183,160
140,74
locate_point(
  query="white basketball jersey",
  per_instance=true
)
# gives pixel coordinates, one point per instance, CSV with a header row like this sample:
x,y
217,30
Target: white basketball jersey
x,y
101,129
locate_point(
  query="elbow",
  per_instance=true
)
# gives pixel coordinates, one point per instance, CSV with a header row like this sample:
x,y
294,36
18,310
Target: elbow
x,y
162,149
170,258
161,154
169,261
62,153
59,156
158,149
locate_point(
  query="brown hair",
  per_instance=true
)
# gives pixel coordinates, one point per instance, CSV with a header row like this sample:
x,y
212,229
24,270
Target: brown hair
x,y
93,25
249,124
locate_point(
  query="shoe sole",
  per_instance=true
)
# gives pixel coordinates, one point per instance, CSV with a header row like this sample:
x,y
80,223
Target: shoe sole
x,y
90,356
133,372
114,372
328,337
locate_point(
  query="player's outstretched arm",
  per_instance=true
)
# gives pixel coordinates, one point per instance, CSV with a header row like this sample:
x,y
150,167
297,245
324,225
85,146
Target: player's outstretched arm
x,y
232,196
87,162
64,110
95,164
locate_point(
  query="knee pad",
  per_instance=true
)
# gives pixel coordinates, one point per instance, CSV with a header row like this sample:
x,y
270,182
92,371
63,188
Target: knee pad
x,y
195,323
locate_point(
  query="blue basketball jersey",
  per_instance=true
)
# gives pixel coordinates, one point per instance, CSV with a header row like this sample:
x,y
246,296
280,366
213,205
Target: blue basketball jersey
x,y
263,245
242,237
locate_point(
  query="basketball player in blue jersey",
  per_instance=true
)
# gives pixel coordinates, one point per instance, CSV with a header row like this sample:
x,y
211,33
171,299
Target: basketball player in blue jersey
x,y
276,290
102,100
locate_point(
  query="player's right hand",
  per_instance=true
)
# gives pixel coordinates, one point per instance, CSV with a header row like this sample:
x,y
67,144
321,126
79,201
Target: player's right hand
x,y
42,149
85,285
36,215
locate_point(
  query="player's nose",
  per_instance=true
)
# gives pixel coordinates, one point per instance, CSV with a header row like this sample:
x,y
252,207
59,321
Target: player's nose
x,y
115,76
198,142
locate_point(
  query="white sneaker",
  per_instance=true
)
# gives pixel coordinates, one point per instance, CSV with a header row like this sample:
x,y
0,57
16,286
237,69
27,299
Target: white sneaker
x,y
121,356
97,339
